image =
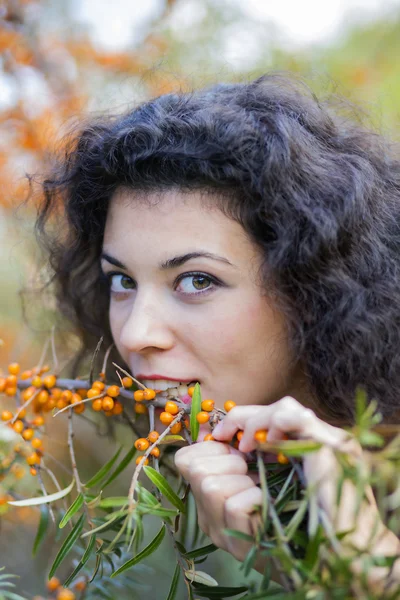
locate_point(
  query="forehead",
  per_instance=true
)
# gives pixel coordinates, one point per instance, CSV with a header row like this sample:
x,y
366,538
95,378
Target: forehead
x,y
172,213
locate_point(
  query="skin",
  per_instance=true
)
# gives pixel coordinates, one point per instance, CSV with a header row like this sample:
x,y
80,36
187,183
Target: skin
x,y
233,340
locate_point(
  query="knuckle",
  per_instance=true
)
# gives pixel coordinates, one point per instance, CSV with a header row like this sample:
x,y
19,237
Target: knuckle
x,y
210,486
199,469
290,403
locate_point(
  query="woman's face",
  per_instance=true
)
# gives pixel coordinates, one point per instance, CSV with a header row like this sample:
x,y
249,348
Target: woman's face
x,y
201,319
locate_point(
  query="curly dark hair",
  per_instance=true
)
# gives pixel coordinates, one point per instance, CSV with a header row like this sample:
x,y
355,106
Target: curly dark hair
x,y
317,192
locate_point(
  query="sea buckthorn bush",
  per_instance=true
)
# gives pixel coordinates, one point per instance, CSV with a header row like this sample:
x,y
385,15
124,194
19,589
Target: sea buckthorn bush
x,y
104,534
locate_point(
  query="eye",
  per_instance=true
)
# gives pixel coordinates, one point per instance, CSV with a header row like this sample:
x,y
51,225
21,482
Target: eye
x,y
198,283
120,283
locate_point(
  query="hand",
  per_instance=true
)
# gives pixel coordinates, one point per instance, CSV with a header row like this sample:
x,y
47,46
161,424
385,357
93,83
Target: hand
x,y
225,495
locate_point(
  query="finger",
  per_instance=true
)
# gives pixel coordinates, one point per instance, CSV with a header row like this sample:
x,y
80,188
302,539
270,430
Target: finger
x,y
235,420
214,490
202,467
184,456
238,515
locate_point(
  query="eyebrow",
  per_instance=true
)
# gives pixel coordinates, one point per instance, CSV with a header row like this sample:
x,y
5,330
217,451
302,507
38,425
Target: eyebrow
x,y
172,263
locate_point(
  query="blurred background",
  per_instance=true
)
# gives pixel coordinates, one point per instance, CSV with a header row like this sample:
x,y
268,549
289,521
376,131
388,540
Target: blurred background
x,y
63,59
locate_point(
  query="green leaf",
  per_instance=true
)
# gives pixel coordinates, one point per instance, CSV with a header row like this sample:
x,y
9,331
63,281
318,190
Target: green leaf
x,y
150,548
218,592
239,535
158,511
122,465
201,577
44,499
42,529
113,501
147,497
75,506
162,484
204,551
296,520
171,439
290,447
103,471
67,545
82,562
174,583
195,409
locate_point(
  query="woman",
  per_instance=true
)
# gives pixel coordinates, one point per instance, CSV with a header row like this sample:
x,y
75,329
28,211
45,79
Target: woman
x,y
247,237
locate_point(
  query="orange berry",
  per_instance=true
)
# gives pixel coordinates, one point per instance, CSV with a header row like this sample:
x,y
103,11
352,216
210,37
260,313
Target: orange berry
x,y
166,418
155,452
50,404
127,382
6,415
37,381
37,443
44,369
202,417
171,407
236,444
26,374
66,395
140,409
239,435
49,381
18,426
11,381
107,403
13,368
2,384
80,586
138,395
22,413
208,438
139,458
229,404
142,444
149,394
42,397
191,390
80,408
113,391
118,408
53,584
108,413
82,392
56,393
33,471
98,385
65,594
38,421
97,404
282,459
10,391
207,405
75,398
153,436
186,422
33,459
93,392
176,428
61,404
261,435
102,374
28,393
28,434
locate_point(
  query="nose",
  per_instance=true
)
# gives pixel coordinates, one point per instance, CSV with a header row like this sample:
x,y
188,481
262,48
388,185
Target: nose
x,y
148,325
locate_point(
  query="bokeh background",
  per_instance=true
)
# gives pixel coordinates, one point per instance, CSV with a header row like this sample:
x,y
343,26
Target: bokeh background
x,y
61,60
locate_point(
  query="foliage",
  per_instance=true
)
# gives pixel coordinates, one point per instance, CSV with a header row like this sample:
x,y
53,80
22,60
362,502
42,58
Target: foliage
x,y
104,536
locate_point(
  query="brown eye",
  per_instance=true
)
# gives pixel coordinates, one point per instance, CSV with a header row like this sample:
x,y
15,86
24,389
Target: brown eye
x,y
194,284
120,283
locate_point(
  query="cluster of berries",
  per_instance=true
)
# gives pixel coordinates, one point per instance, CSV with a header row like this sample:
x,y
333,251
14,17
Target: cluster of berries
x,y
59,592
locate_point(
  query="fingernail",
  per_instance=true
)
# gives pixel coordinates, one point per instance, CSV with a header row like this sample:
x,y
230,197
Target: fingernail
x,y
217,430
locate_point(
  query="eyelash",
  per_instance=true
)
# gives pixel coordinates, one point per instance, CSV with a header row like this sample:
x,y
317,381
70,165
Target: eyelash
x,y
108,277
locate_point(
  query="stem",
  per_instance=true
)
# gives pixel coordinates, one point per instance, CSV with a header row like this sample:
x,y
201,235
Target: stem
x,y
72,454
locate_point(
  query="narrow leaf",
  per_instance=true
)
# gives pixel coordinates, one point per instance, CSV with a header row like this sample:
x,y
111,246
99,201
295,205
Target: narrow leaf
x,y
150,548
204,551
290,447
113,501
82,562
67,545
122,465
172,439
42,529
103,471
195,409
75,506
174,583
162,484
201,577
44,499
